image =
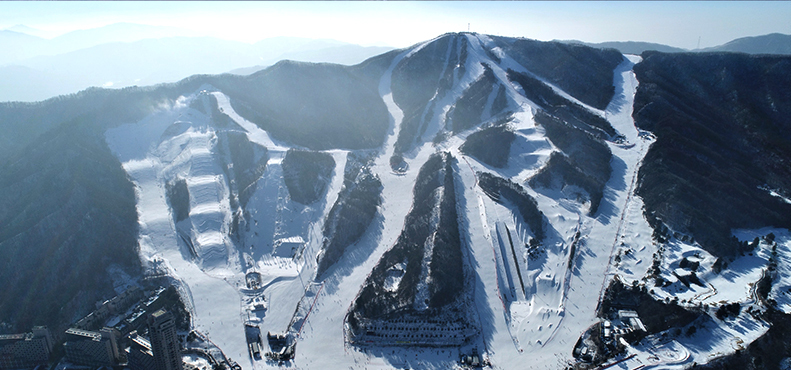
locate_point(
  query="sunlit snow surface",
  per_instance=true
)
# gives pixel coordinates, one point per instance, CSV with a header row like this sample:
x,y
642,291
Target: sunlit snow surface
x,y
531,326
181,142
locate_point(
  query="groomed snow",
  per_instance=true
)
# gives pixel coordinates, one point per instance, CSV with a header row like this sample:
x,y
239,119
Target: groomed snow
x,y
534,325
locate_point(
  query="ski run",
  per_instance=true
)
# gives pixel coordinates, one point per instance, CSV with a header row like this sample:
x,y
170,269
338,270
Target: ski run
x,y
531,311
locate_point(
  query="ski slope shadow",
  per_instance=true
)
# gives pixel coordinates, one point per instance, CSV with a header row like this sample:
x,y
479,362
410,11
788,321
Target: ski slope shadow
x,y
583,253
607,208
515,165
354,256
185,246
711,335
479,302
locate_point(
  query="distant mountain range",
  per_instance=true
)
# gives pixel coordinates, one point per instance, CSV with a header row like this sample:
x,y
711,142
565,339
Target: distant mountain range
x,y
774,43
124,54
26,42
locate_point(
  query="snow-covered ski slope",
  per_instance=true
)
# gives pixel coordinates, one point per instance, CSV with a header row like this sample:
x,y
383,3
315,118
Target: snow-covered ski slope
x,y
531,311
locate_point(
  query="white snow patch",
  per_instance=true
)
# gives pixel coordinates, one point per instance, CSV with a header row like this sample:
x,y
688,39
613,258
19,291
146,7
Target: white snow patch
x,y
775,193
394,276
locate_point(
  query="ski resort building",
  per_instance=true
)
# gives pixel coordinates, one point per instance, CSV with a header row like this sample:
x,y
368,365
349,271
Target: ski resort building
x,y
281,346
108,308
26,349
412,332
139,355
164,341
91,348
286,247
631,319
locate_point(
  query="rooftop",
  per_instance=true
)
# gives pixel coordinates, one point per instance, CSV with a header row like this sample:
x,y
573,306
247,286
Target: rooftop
x,y
15,336
291,239
142,342
85,333
627,313
159,313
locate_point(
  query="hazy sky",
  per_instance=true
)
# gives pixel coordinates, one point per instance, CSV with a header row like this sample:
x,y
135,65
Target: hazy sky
x,y
401,24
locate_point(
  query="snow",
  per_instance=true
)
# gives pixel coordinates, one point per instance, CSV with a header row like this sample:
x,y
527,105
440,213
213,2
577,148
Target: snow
x,y
509,63
197,362
473,71
712,339
324,333
775,193
528,322
781,283
562,301
179,142
394,276
254,133
121,280
159,245
530,150
736,283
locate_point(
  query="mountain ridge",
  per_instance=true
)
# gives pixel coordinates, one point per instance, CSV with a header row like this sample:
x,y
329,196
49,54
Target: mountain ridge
x,y
78,60
773,43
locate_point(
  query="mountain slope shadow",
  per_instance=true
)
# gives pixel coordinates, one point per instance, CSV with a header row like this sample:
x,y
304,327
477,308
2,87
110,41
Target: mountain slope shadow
x,y
722,124
607,208
354,256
